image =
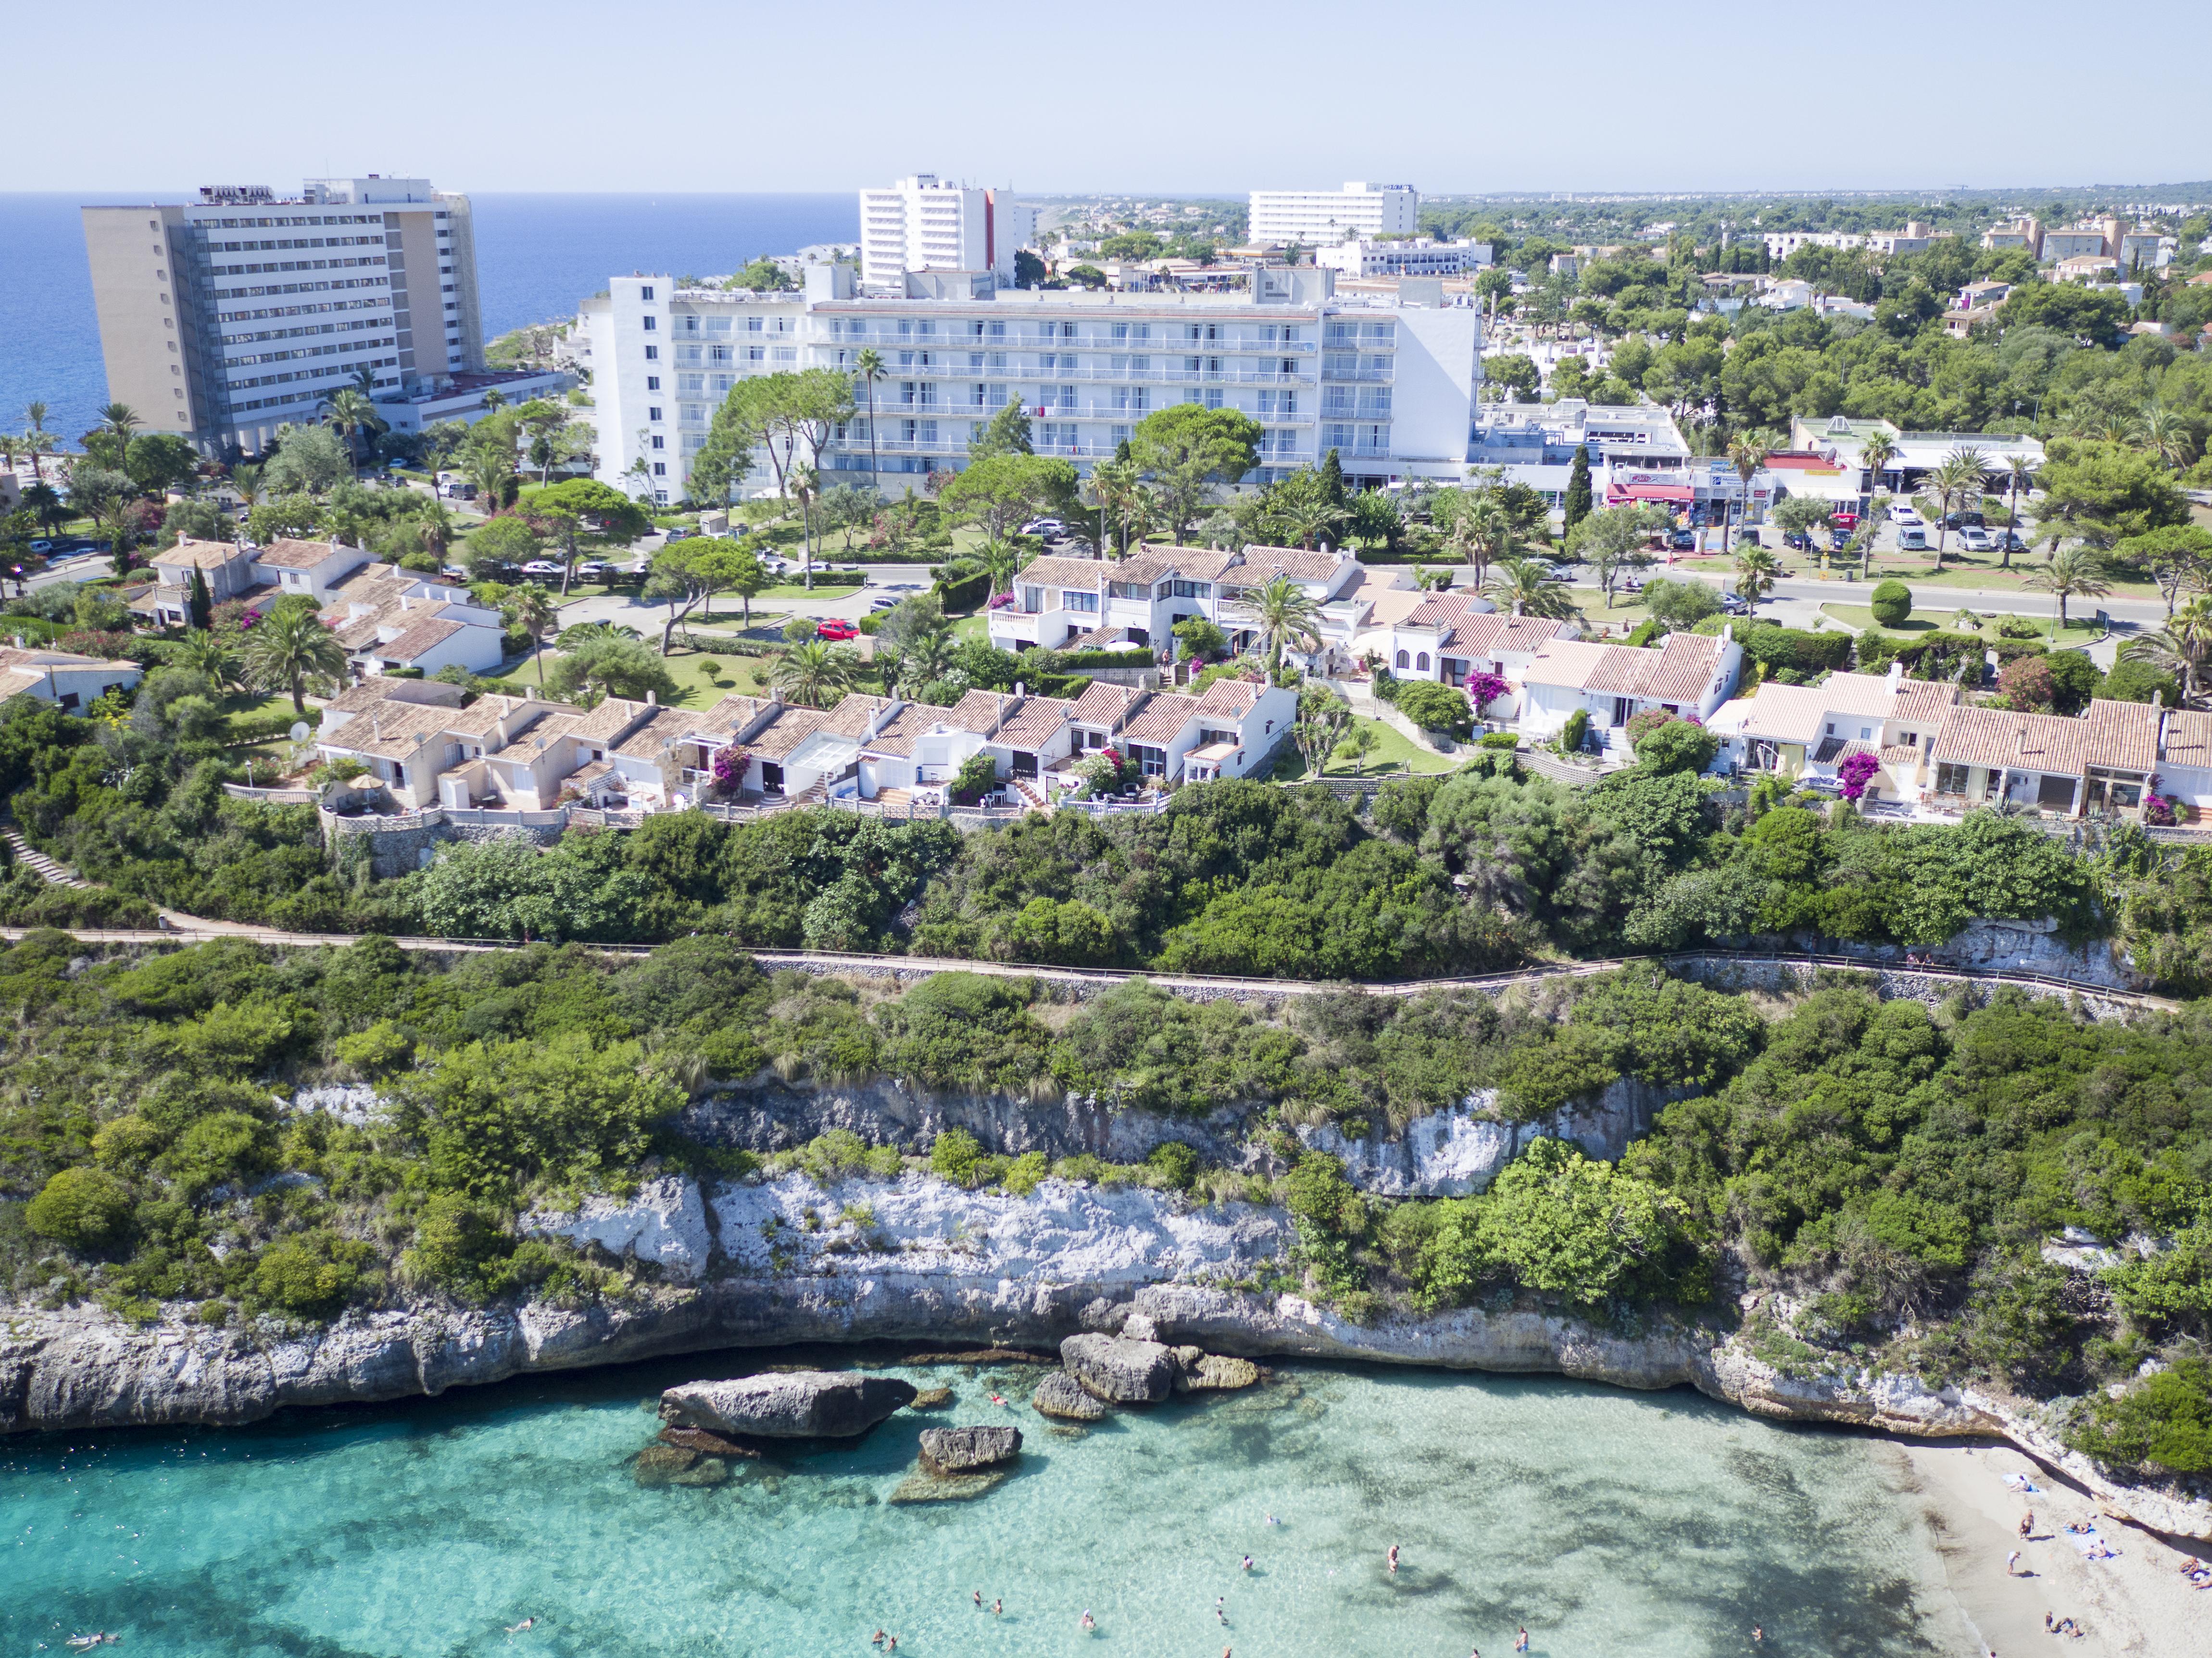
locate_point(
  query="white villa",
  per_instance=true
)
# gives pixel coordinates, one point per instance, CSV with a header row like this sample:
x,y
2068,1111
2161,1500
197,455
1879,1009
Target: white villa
x,y
1093,604
1690,676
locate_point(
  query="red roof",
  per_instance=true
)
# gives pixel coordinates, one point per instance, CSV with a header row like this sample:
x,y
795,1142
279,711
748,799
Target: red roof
x,y
1652,492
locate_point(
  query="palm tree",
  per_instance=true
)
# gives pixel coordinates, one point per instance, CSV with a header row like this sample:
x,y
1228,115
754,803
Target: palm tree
x,y
1307,520
1747,453
813,670
119,418
1527,587
351,413
1484,533
1282,613
538,614
870,366
2166,436
246,479
1756,569
490,470
2180,647
205,652
1000,560
805,484
1874,454
2020,473
494,399
2069,572
290,645
433,527
1958,479
36,438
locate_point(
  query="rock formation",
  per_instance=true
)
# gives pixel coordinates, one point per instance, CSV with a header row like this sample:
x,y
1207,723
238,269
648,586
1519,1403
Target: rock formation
x,y
792,1405
963,1450
1119,1371
1061,1395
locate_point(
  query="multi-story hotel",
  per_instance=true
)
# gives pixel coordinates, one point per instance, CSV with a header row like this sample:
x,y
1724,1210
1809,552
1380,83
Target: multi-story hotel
x,y
1390,384
1310,217
222,318
927,223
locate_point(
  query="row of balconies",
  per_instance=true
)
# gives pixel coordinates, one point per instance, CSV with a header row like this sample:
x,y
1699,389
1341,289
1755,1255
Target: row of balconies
x,y
1133,376
955,337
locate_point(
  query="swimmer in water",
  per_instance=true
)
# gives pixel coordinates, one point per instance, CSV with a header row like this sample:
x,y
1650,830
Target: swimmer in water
x,y
979,1599
877,1639
517,1628
1089,1622
1521,1640
998,1608
1393,1559
1248,1563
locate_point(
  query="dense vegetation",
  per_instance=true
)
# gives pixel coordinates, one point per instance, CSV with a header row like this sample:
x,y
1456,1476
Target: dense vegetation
x,y
1883,1174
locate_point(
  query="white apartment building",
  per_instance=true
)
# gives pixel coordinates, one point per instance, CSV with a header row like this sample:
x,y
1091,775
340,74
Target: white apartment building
x,y
274,304
1390,383
927,223
1362,258
1314,218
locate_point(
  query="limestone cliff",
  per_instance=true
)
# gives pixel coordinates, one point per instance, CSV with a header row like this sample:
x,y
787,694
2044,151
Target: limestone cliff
x,y
760,1263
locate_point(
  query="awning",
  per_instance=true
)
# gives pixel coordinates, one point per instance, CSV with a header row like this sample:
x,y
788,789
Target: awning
x,y
1653,492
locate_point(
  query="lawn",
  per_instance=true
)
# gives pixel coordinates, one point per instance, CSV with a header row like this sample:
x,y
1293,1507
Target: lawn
x,y
2075,632
1393,754
975,626
739,675
1985,571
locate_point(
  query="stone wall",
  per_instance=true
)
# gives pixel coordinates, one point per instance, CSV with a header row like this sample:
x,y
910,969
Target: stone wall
x,y
397,844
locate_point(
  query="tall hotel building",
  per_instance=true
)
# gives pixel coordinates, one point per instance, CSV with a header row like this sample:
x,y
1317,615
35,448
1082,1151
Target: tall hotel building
x,y
222,318
1316,217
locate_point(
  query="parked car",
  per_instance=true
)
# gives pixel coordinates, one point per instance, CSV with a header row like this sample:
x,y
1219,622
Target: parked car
x,y
541,567
454,572
835,629
42,548
1961,520
1844,521
594,570
1683,541
458,491
2012,542
1798,541
884,603
1746,536
1050,528
1913,539
1972,539
1901,513
1734,604
679,533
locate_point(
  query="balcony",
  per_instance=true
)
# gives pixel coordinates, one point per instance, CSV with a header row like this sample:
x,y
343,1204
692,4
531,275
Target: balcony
x,y
954,339
1017,373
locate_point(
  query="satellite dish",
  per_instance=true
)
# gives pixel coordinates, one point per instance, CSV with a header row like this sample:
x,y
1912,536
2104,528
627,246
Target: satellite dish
x,y
299,732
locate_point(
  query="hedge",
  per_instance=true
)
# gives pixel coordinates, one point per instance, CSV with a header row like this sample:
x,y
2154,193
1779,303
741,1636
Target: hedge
x,y
267,725
1072,661
965,592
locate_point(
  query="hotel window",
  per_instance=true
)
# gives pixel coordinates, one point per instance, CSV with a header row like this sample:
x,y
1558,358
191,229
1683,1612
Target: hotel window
x,y
753,325
652,382
659,442
652,354
660,468
653,412
651,323
646,293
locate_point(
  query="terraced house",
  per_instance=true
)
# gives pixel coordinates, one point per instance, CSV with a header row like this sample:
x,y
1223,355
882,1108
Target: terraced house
x,y
1081,604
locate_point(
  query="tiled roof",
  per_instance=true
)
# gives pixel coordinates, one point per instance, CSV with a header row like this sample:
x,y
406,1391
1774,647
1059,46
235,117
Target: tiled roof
x,y
189,554
393,731
1083,573
1442,609
1299,563
416,638
978,711
13,657
851,716
647,742
287,554
899,732
1036,723
1864,694
2187,739
728,717
1231,699
2120,735
1924,702
1162,720
1679,671
539,734
1496,632
1102,704
792,726
611,720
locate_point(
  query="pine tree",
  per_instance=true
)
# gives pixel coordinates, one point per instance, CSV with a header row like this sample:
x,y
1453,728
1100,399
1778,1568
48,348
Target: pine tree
x,y
199,606
1578,487
1332,479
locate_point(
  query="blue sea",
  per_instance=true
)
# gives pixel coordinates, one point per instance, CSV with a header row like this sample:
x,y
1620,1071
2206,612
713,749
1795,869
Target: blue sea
x,y
1605,1522
537,255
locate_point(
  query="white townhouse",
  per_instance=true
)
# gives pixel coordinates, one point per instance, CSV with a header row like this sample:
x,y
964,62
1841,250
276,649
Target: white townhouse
x,y
1390,382
1689,675
387,618
1809,731
1096,604
71,683
1449,636
239,570
1226,731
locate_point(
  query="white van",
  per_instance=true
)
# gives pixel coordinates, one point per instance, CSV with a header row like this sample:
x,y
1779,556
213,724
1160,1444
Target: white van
x,y
1911,539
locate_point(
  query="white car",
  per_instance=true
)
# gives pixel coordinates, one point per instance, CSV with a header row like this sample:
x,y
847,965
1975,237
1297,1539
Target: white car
x,y
591,570
1904,515
1972,539
541,567
1050,528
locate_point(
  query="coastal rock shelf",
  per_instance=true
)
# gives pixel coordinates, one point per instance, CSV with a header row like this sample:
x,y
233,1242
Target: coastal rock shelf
x,y
791,1405
938,1265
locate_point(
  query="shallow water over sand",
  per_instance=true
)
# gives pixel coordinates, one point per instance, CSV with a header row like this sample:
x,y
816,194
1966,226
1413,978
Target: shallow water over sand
x,y
1607,1522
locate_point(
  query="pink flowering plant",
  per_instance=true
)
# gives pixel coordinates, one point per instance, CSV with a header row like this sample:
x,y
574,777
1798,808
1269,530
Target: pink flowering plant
x,y
1856,771
1483,687
728,769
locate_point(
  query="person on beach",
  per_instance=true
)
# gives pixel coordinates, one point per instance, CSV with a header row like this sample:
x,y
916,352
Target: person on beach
x,y
2028,1523
2012,1563
1248,1563
1393,1559
1521,1640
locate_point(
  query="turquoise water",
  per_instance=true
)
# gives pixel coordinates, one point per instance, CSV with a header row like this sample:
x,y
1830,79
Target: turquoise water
x,y
1609,1523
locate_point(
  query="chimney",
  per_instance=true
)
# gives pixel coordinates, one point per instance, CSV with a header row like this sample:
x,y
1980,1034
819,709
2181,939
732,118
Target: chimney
x,y
1896,672
653,699
2020,741
530,693
2157,697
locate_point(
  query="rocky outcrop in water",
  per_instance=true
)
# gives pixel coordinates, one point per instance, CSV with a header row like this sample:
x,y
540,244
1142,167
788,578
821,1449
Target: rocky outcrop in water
x,y
1119,1371
963,1450
792,1405
1061,1395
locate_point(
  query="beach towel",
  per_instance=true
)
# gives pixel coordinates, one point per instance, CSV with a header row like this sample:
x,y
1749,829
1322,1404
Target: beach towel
x,y
2084,1541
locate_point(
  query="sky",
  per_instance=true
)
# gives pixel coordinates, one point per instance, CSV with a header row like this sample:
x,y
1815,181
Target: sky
x,y
1134,95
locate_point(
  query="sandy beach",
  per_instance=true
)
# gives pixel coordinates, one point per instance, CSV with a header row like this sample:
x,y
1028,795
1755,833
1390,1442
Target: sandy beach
x,y
2138,1605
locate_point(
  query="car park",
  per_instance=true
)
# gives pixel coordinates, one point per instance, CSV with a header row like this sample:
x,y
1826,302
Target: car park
x,y
836,628
1972,539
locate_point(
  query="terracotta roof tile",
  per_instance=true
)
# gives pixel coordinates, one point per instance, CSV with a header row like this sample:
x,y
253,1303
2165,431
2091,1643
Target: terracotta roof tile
x,y
415,638
2187,739
1162,720
851,716
647,742
2121,735
792,726
189,554
287,554
1102,704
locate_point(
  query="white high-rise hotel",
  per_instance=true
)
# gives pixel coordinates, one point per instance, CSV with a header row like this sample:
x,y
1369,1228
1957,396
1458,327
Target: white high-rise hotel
x,y
225,317
1308,217
927,223
1390,384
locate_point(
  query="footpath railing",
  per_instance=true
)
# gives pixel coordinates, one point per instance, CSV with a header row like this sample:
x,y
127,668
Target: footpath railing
x,y
182,930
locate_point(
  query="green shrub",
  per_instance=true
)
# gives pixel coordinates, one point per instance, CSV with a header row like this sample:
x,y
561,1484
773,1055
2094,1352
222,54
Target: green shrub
x,y
1022,1174
311,1274
1177,1164
376,1051
1891,603
956,1155
81,1208
1436,707
1677,745
1574,730
2163,1421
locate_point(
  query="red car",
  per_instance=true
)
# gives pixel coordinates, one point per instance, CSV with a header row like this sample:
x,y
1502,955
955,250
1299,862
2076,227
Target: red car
x,y
835,629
